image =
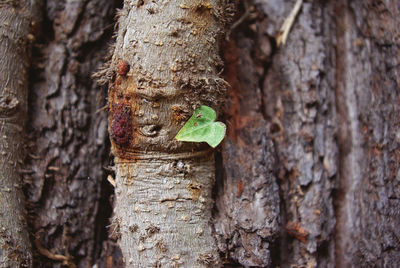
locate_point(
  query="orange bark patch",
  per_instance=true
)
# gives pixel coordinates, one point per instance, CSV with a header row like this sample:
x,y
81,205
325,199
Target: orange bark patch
x,y
121,127
203,7
123,67
178,114
194,190
200,17
122,121
231,53
109,261
239,188
294,229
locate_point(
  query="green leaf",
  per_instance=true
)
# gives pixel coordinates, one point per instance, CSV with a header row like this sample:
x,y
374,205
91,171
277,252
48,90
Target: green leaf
x,y
202,128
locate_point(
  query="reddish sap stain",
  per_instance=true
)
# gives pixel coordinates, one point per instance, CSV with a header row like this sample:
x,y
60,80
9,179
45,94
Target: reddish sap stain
x,y
121,126
123,67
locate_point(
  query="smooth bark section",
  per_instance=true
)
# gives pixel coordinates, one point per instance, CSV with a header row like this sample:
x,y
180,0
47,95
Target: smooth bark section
x,y
172,52
165,64
162,210
15,249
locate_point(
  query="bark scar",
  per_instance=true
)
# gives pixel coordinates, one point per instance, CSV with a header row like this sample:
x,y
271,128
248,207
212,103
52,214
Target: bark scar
x,y
8,105
121,125
177,198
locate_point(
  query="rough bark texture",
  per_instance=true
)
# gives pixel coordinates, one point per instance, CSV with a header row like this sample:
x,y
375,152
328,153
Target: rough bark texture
x,y
368,104
285,96
166,63
247,217
299,101
308,175
15,22
68,193
330,102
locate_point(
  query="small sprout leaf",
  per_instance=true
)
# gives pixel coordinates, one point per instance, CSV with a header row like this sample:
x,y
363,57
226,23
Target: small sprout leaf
x,y
201,127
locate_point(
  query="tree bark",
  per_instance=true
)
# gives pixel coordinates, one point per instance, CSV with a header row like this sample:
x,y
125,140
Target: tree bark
x,y
308,175
15,24
299,101
247,200
368,98
166,63
329,99
68,194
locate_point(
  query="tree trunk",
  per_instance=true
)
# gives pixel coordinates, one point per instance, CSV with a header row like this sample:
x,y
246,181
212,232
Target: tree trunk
x,y
248,203
368,105
166,59
299,102
330,102
15,23
308,175
68,194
